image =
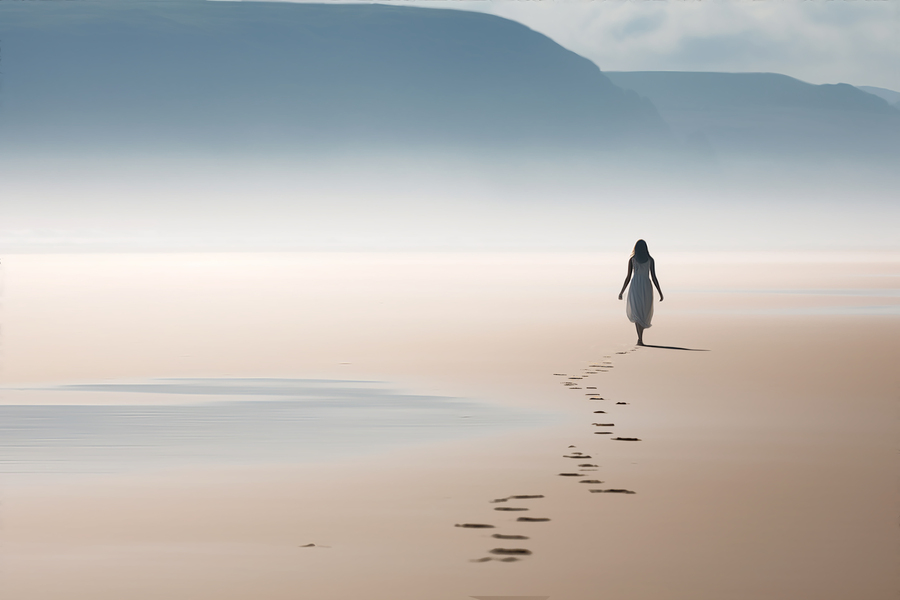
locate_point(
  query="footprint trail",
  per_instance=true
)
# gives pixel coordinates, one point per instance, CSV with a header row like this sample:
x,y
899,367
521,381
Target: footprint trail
x,y
574,381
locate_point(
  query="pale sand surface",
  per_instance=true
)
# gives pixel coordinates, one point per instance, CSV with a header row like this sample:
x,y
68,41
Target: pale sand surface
x,y
767,466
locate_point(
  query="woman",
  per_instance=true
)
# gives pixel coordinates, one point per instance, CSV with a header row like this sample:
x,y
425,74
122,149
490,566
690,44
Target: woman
x,y
639,307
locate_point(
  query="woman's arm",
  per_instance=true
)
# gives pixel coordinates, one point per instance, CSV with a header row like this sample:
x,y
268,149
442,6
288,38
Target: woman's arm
x,y
627,279
655,280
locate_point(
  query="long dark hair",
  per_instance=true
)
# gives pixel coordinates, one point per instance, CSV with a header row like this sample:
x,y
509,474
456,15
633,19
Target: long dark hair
x,y
640,252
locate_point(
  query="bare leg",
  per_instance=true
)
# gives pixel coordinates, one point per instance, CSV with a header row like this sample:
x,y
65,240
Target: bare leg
x,y
640,332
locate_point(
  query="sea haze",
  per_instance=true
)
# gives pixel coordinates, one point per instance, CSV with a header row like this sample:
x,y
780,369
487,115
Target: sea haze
x,y
232,126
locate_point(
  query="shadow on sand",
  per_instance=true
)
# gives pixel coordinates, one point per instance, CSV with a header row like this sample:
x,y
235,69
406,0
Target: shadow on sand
x,y
675,348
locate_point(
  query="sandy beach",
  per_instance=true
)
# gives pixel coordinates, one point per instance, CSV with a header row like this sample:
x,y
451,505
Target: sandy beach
x,y
750,452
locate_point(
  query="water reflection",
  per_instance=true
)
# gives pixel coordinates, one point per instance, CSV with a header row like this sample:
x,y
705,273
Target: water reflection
x,y
855,292
872,310
232,421
879,295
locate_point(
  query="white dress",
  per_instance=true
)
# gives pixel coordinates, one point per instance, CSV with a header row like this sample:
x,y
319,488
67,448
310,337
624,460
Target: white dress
x,y
639,307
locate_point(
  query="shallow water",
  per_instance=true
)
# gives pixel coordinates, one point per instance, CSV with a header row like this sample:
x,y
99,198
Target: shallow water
x,y
100,428
871,294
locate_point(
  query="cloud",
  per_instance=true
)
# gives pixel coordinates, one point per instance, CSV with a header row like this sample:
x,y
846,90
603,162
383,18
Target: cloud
x,y
843,41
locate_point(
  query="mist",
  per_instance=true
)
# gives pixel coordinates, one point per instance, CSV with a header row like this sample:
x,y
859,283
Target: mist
x,y
243,127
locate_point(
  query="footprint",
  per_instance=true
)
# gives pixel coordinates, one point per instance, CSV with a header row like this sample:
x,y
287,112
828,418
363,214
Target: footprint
x,y
571,475
572,446
624,439
590,481
588,465
577,456
517,497
511,551
603,432
621,403
501,536
474,525
308,546
599,412
532,519
560,374
488,559
510,508
604,424
590,388
612,492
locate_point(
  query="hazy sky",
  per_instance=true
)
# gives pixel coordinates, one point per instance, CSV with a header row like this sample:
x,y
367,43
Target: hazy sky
x,y
818,41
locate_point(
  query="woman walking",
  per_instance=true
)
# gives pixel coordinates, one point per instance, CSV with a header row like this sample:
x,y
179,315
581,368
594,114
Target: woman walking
x,y
639,306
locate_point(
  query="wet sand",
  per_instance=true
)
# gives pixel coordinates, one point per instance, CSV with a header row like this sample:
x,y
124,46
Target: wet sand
x,y
763,466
